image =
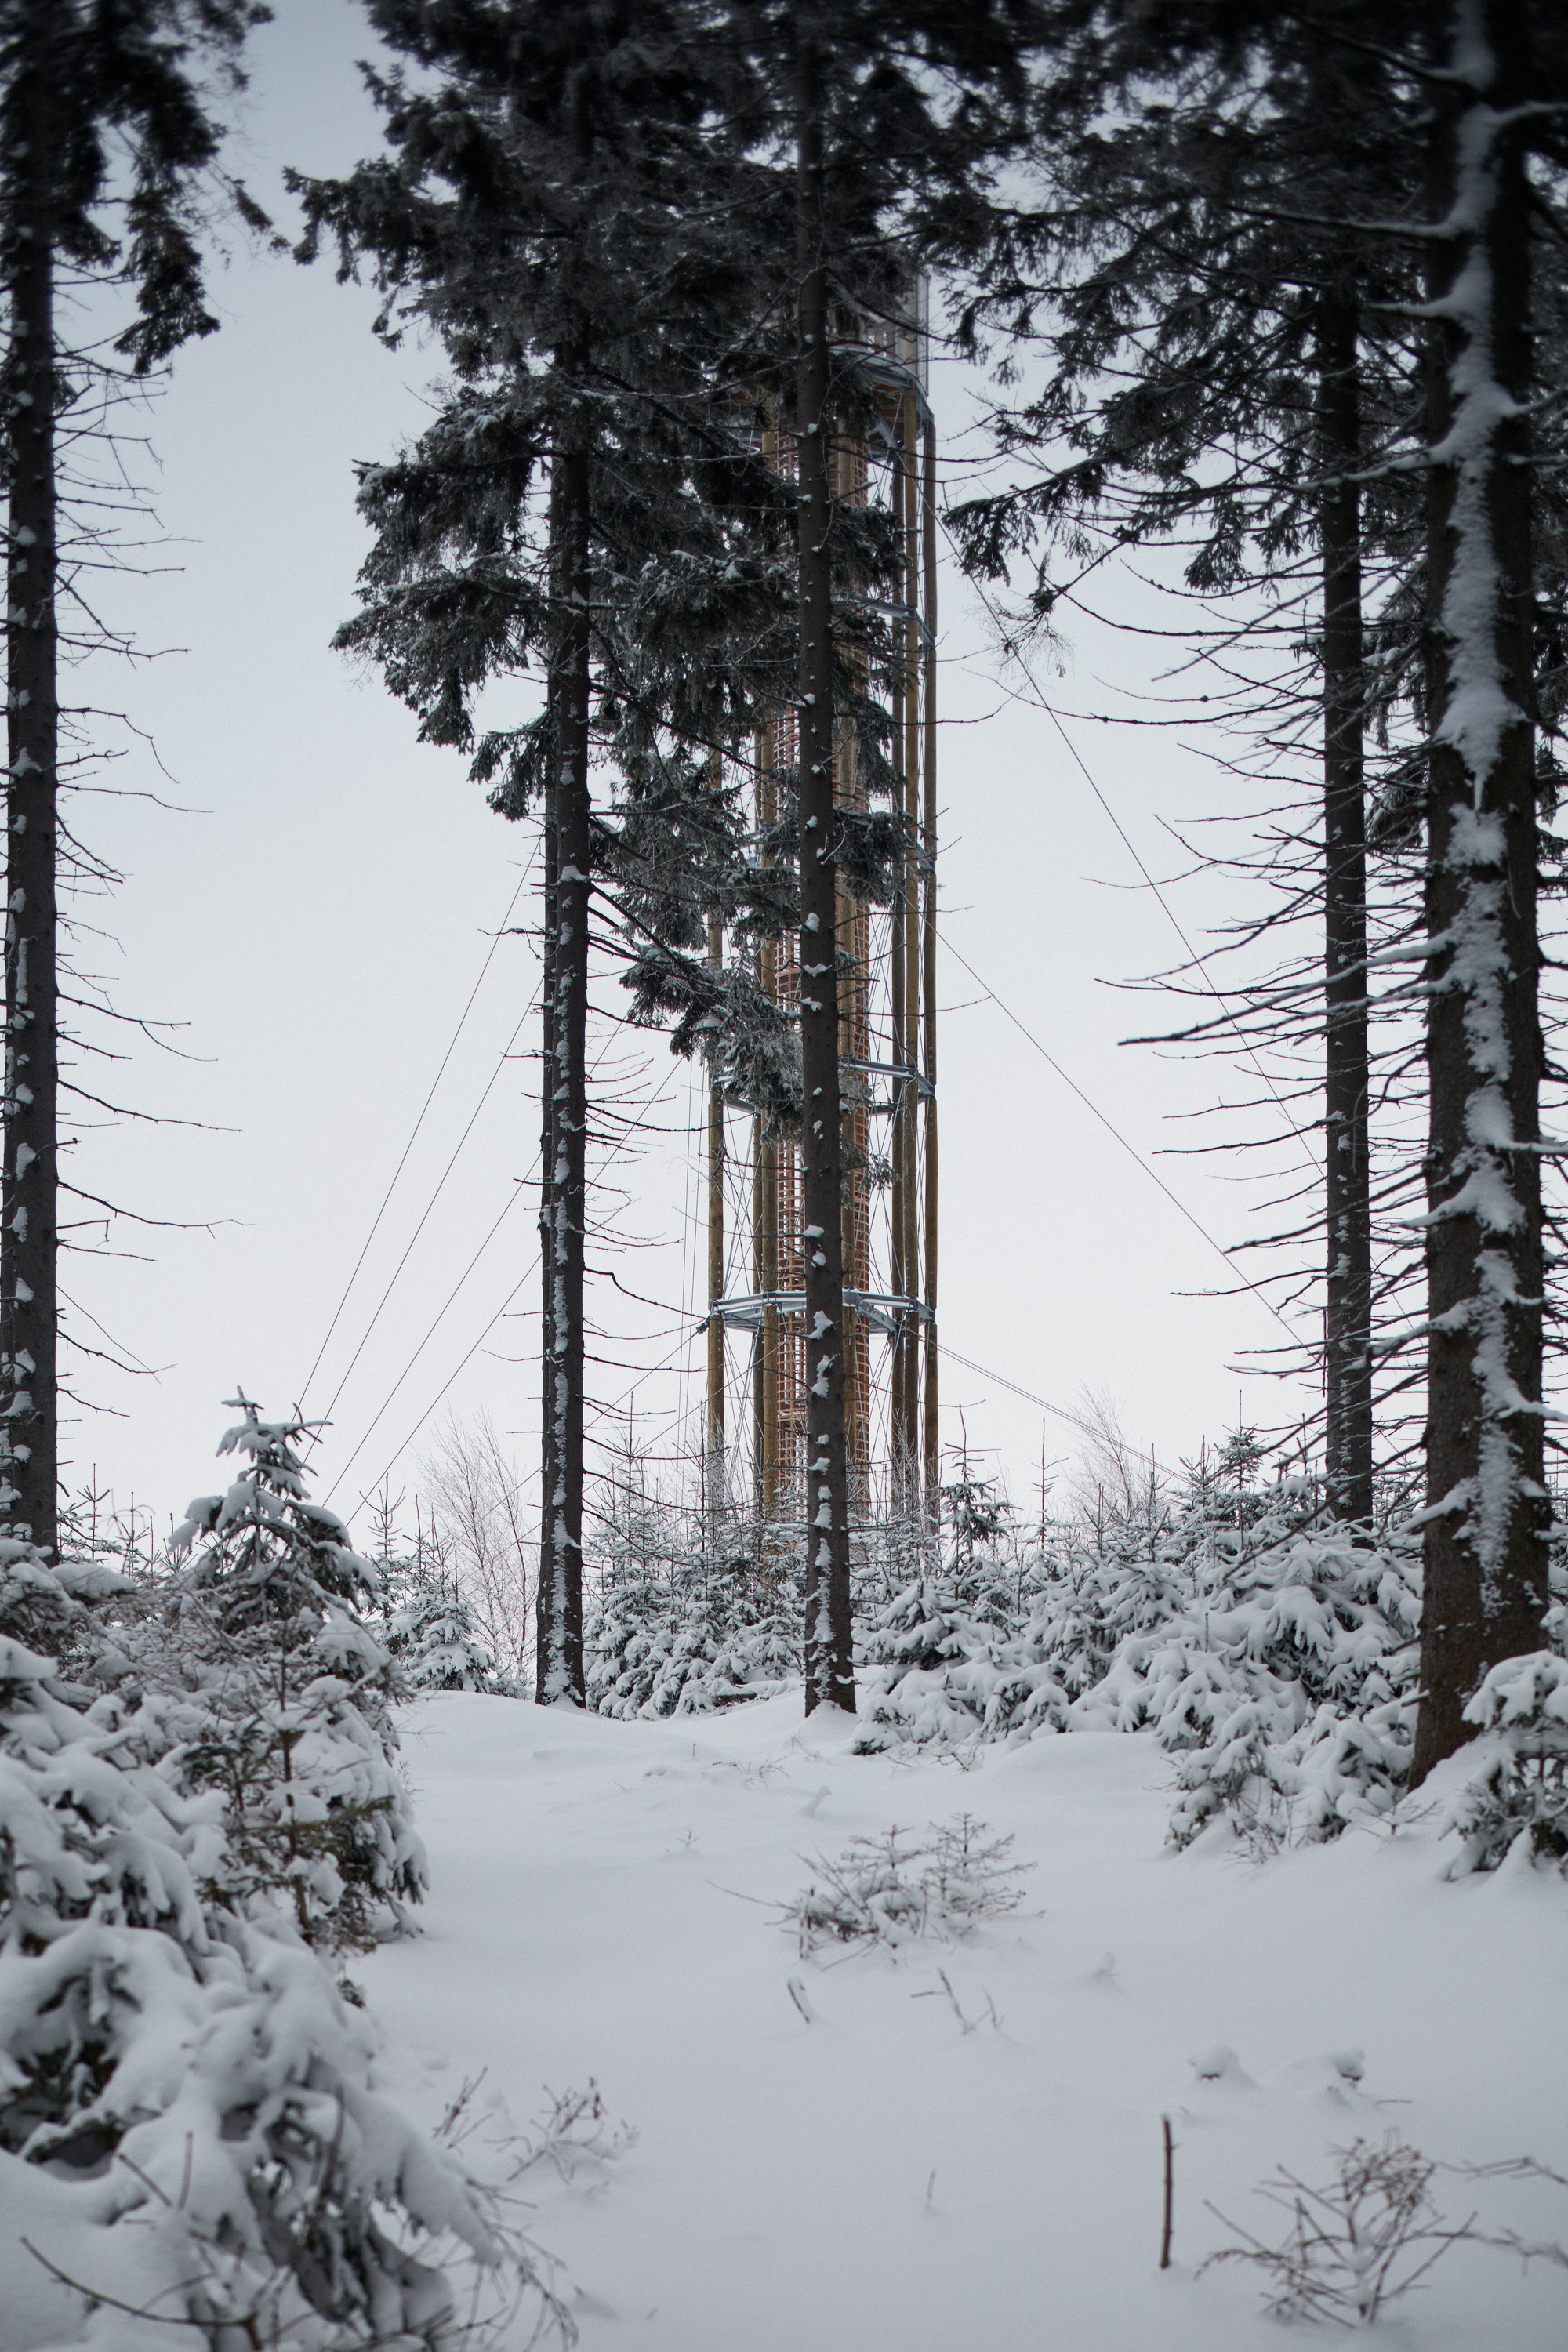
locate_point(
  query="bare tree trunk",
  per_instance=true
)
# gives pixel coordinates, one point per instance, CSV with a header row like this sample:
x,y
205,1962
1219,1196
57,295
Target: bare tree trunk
x,y
1347,1350
545,1589
1487,1507
929,1441
906,1094
901,1028
765,1200
829,1662
28,1214
713,1434
560,1669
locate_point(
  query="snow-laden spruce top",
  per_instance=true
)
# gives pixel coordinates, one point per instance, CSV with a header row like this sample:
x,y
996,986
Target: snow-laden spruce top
x,y
171,2049
1246,1651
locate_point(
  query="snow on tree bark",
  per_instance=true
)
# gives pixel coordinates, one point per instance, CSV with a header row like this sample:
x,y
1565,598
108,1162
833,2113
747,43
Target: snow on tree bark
x,y
560,1668
29,1307
545,1589
1487,1509
829,1664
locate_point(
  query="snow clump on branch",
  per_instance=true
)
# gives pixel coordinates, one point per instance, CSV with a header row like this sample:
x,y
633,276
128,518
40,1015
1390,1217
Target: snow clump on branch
x,y
188,2115
1276,1662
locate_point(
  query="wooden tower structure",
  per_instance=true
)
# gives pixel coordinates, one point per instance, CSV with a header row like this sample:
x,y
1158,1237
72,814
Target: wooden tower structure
x,y
756,1274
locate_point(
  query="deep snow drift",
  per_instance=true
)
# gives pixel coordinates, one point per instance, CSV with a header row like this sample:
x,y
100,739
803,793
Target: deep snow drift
x,y
602,1905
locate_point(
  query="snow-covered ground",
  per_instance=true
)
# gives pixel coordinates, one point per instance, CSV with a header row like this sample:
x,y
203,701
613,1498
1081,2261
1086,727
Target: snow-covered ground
x,y
881,2176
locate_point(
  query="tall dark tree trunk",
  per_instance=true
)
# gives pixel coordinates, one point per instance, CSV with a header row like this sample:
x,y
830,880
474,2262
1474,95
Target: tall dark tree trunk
x,y
29,1303
829,1663
546,1595
1348,1209
559,1665
929,1450
715,1457
1487,1507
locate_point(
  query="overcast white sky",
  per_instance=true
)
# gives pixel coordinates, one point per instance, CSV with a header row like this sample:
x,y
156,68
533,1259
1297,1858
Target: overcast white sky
x,y
320,924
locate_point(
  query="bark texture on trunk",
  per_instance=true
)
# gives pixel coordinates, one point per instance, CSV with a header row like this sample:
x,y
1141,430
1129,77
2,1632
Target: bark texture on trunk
x,y
545,1592
1347,1183
929,1445
829,1664
560,1668
907,1094
901,1273
1487,1509
28,1214
765,1203
714,1444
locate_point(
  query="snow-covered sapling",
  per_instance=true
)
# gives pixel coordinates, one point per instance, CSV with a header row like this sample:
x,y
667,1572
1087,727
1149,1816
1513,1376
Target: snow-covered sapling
x,y
1354,2245
898,1887
175,2063
1520,1785
279,1701
436,1642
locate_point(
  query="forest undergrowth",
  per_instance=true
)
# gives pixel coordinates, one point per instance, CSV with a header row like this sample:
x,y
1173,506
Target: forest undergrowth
x,y
1273,1652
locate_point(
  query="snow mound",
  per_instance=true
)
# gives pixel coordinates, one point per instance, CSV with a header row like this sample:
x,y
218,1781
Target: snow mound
x,y
958,2142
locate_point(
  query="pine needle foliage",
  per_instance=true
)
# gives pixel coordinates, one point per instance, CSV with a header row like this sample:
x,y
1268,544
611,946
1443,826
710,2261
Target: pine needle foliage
x,y
282,1705
175,2061
906,1886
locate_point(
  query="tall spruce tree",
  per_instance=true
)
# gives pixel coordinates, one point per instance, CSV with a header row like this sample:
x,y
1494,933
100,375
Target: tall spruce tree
x,y
1482,91
829,1640
898,110
605,216
1498,74
572,208
1228,366
108,135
